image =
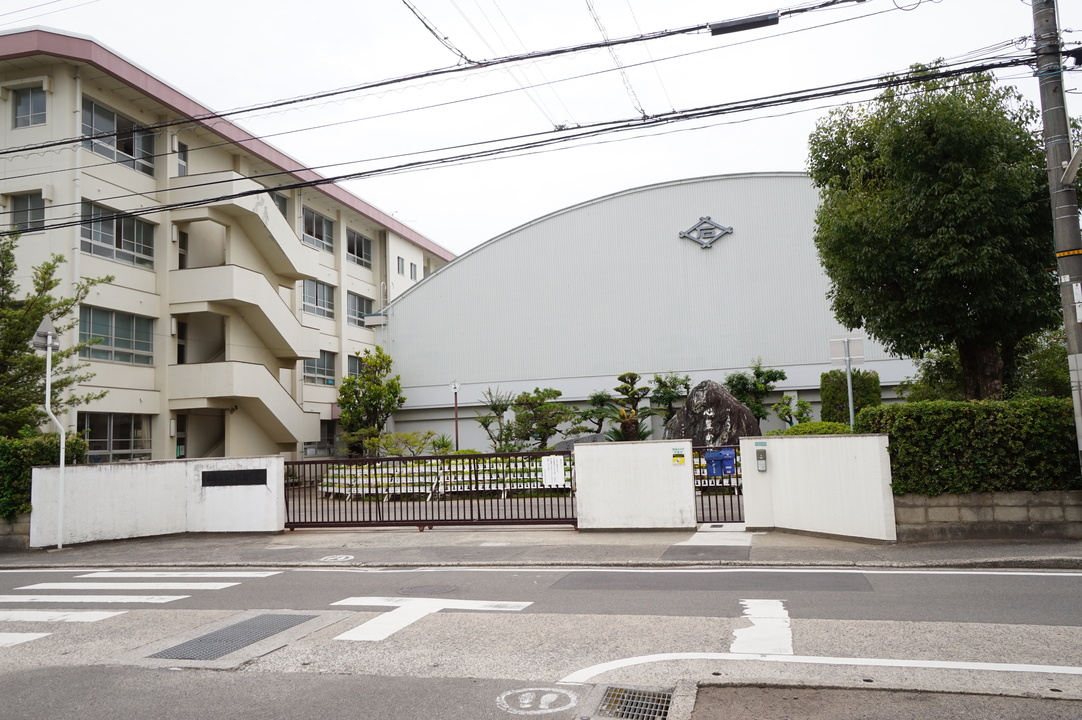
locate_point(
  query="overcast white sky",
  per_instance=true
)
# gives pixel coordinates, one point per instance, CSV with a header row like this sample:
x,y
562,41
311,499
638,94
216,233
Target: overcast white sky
x,y
232,53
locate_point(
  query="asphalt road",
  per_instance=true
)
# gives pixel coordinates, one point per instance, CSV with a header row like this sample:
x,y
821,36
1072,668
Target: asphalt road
x,y
491,643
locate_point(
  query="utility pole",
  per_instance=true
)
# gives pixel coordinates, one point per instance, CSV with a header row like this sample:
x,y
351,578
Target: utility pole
x,y
1068,239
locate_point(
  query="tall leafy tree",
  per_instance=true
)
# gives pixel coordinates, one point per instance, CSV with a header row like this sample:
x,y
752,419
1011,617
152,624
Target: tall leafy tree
x,y
934,226
834,394
366,401
752,388
22,369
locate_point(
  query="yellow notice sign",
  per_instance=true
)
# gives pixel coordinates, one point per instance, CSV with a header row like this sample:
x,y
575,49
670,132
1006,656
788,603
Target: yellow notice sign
x,y
678,456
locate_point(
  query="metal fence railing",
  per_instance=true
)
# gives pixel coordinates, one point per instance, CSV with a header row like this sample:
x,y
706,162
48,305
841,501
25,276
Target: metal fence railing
x,y
492,489
719,495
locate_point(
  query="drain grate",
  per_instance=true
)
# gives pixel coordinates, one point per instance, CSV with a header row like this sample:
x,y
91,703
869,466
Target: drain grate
x,y
230,639
635,704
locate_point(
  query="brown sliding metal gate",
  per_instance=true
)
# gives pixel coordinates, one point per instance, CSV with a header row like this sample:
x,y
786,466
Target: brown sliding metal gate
x,y
483,489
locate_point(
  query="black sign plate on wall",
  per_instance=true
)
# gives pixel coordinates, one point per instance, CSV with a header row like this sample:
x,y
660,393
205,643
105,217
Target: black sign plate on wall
x,y
222,478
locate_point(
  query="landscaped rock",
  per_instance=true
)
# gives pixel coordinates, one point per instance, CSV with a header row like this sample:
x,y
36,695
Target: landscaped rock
x,y
711,416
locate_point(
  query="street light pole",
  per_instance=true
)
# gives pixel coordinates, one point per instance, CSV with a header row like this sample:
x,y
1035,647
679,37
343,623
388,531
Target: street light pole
x,y
1068,239
46,339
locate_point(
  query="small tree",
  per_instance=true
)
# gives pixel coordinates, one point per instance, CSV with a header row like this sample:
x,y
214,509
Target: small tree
x,y
668,390
597,412
22,369
494,422
834,394
792,411
538,417
625,410
751,389
366,401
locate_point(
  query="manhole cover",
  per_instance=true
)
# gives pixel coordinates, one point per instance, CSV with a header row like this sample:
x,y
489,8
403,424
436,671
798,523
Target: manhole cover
x,y
426,590
635,704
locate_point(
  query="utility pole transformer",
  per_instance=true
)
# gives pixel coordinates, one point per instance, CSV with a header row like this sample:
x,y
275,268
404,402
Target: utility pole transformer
x,y
1068,239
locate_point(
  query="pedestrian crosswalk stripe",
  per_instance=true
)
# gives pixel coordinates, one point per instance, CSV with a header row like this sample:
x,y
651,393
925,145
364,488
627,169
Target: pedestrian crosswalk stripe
x,y
57,615
9,639
181,574
90,598
129,586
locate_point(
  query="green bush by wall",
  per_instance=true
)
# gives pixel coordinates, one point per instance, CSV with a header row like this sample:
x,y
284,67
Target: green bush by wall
x,y
817,427
18,457
943,446
834,394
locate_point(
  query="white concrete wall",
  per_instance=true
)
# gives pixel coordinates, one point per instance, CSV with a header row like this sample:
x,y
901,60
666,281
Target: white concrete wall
x,y
123,500
635,485
831,484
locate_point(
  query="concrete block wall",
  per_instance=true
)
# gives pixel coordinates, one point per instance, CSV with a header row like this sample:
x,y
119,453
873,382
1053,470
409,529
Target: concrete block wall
x,y
15,534
989,516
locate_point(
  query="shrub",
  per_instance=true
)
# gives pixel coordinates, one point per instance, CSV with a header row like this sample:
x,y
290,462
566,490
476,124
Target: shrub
x,y
814,428
834,394
18,456
989,446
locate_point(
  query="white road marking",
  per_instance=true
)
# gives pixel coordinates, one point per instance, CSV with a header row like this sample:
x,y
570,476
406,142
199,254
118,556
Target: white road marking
x,y
90,598
9,639
408,610
129,586
770,632
587,674
694,571
185,574
57,615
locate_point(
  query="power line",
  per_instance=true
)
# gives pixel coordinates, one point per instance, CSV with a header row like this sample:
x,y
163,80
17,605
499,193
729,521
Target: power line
x,y
548,139
474,65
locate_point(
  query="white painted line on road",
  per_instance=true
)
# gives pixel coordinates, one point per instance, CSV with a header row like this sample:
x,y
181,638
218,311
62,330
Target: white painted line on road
x,y
770,632
692,570
90,598
57,615
593,671
185,574
129,586
9,639
408,610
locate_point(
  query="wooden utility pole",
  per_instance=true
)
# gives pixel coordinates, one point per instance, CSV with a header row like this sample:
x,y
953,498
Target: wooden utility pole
x,y
1068,239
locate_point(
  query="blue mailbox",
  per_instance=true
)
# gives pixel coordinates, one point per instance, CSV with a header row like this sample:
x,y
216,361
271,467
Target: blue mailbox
x,y
721,462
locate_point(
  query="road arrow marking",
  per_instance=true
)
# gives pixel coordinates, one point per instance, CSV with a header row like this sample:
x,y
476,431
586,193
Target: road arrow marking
x,y
408,610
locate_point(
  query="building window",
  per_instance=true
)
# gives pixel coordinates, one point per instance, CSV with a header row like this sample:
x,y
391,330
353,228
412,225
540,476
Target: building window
x,y
354,368
320,371
115,437
182,250
122,338
358,306
401,266
413,271
121,139
182,159
358,248
281,202
29,105
318,298
318,231
124,239
326,445
28,212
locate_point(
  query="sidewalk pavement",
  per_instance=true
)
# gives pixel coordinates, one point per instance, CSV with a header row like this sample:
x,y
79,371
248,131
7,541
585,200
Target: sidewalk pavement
x,y
711,546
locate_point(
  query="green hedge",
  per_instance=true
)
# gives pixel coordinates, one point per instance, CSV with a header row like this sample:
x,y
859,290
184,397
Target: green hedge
x,y
991,446
18,456
816,427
